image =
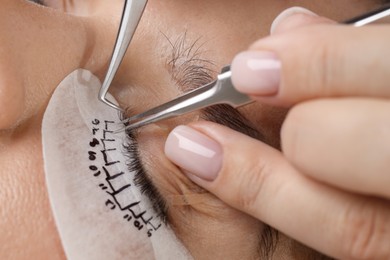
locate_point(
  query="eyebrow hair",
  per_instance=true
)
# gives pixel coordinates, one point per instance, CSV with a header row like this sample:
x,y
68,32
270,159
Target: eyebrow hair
x,y
186,65
190,70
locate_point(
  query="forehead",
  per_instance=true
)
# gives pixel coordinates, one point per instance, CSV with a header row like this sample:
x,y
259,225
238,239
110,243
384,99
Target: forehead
x,y
239,22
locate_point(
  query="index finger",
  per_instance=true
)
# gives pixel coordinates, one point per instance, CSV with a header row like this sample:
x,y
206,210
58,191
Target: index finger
x,y
315,61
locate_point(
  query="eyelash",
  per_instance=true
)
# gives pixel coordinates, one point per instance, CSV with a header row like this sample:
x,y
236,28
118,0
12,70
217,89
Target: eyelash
x,y
141,178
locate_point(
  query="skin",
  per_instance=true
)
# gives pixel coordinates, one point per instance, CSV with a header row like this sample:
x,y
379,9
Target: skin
x,y
41,46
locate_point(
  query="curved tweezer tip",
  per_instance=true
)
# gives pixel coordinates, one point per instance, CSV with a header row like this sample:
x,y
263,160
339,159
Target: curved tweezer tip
x,y
132,13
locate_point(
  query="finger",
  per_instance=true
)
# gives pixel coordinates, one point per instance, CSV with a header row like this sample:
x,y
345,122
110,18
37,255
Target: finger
x,y
316,61
296,17
345,143
256,179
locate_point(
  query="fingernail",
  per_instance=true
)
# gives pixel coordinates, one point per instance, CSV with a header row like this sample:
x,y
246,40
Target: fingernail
x,y
256,73
287,13
194,152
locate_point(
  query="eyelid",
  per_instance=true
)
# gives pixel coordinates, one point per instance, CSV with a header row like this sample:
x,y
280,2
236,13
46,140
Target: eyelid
x,y
187,199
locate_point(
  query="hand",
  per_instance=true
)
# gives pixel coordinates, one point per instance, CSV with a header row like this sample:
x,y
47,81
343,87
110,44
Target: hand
x,y
329,188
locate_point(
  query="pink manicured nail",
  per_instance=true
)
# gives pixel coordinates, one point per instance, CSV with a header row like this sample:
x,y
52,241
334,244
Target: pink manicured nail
x,y
194,152
287,13
256,73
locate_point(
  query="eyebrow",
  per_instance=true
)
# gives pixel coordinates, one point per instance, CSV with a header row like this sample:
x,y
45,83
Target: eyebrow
x,y
190,70
186,65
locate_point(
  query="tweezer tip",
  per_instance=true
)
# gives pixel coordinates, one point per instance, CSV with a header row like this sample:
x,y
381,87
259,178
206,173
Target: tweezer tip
x,y
121,129
118,131
110,104
125,127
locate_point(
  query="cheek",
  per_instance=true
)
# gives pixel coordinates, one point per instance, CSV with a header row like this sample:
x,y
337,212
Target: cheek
x,y
12,96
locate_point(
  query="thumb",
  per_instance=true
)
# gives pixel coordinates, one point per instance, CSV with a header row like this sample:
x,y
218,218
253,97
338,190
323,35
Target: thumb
x,y
210,156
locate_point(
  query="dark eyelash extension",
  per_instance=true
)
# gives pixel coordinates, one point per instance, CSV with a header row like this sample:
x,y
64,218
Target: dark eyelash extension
x,y
141,178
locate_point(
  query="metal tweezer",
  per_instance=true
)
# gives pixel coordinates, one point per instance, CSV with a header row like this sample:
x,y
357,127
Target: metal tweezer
x,y
220,91
132,13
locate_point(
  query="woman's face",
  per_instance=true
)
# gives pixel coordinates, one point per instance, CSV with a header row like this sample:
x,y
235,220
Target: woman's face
x,y
179,45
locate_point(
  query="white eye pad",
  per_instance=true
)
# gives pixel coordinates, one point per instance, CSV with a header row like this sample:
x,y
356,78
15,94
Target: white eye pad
x,y
99,212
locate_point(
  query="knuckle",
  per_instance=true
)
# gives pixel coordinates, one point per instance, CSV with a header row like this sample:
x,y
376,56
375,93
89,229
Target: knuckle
x,y
365,229
251,185
324,76
324,66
